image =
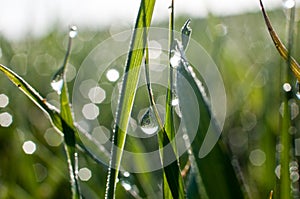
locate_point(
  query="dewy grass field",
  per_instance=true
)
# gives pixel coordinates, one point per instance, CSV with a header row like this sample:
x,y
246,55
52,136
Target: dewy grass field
x,y
190,108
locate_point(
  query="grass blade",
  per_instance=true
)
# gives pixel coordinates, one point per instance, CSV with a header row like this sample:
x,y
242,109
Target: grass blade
x,y
216,170
285,182
173,186
132,70
69,129
295,67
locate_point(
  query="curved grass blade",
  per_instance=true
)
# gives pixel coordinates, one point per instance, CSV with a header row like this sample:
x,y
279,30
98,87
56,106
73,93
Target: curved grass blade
x,y
54,116
128,90
172,179
52,112
68,126
217,173
173,186
295,67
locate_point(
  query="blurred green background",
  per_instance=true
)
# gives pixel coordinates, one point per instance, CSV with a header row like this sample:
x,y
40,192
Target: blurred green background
x,y
32,160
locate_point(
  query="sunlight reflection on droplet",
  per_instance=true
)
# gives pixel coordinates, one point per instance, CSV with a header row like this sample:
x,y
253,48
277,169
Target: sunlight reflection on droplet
x,y
84,174
294,173
112,75
97,95
90,111
52,137
5,119
175,59
277,171
57,85
126,185
29,147
175,102
4,100
73,32
126,174
147,121
257,157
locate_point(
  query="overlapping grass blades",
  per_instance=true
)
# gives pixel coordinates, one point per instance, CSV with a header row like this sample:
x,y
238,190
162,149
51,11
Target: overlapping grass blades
x,y
68,126
217,173
63,121
284,190
131,76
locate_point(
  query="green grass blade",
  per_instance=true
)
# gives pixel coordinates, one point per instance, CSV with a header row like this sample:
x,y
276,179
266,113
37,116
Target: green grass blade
x,y
285,182
286,138
131,76
295,67
173,182
52,112
217,173
68,126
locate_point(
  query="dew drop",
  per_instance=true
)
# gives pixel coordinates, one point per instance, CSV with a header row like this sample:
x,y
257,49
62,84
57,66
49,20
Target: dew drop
x,y
288,4
57,80
73,32
175,59
298,90
175,102
148,122
277,171
126,185
126,174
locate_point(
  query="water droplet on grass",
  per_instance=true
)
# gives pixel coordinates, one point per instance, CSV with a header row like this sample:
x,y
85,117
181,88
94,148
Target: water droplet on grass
x,y
57,80
73,32
175,59
298,90
277,171
175,102
126,185
148,122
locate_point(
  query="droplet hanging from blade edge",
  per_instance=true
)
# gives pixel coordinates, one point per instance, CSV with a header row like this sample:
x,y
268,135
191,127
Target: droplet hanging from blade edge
x,y
58,77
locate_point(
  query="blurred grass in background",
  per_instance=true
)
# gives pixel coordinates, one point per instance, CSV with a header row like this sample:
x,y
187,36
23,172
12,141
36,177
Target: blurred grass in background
x,y
249,65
